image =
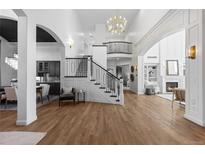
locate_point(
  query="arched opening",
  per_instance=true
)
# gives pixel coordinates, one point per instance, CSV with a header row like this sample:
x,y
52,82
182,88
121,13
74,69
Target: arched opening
x,y
164,67
157,38
41,28
8,30
49,48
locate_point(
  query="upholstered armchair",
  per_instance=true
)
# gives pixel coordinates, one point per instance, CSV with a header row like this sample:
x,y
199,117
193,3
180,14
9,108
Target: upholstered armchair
x,y
152,85
10,94
66,94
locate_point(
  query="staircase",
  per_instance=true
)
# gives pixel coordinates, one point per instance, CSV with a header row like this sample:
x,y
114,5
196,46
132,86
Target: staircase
x,y
99,84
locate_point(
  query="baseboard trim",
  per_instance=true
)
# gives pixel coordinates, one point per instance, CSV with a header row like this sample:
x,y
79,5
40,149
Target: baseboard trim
x,y
194,120
25,122
140,93
137,92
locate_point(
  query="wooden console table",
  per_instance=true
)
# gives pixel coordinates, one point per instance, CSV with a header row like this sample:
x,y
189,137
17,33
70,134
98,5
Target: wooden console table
x,y
81,92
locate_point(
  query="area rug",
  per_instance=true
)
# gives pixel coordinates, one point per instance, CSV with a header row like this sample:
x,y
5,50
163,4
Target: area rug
x,y
21,138
13,106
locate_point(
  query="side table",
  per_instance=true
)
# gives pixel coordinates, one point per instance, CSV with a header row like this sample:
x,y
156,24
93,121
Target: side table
x,y
81,92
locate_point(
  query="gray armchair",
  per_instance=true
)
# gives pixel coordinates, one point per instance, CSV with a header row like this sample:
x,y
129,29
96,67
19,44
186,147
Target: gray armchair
x,y
66,95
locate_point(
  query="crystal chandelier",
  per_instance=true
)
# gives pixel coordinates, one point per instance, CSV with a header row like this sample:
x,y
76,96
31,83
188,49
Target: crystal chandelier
x,y
12,61
116,24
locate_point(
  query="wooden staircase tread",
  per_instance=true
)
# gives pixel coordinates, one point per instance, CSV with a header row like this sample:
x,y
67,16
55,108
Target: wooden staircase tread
x,y
97,83
113,95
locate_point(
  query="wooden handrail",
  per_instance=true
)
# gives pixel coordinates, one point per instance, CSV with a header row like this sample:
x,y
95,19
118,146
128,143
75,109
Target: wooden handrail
x,y
76,58
113,52
105,70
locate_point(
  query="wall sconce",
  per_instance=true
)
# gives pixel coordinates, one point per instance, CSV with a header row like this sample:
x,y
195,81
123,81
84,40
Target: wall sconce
x,y
136,68
70,42
192,52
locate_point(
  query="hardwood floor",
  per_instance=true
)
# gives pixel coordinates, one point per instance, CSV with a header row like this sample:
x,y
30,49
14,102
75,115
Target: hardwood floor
x,y
142,120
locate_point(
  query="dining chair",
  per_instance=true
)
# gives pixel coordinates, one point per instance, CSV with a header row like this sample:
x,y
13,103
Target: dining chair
x,y
178,95
11,95
45,90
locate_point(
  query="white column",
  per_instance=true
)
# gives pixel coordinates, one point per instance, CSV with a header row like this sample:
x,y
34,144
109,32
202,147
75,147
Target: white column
x,y
62,66
121,92
26,110
140,75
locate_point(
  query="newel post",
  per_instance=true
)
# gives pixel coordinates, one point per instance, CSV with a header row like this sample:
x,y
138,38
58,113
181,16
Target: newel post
x,y
121,92
89,68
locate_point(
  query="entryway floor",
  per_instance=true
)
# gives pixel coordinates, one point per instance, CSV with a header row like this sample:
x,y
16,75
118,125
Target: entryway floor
x,y
142,120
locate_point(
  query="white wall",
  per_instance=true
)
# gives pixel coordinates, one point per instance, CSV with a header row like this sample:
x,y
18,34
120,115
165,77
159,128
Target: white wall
x,y
102,35
152,55
173,48
143,22
112,63
100,55
64,23
49,51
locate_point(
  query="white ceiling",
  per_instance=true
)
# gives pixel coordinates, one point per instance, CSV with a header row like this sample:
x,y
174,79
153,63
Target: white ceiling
x,y
90,17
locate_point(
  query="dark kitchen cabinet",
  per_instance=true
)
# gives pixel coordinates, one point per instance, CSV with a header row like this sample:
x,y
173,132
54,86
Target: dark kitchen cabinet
x,y
54,68
49,71
50,67
42,66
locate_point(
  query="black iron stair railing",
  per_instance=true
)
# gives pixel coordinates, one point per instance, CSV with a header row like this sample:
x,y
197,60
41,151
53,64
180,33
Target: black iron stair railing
x,y
76,67
105,79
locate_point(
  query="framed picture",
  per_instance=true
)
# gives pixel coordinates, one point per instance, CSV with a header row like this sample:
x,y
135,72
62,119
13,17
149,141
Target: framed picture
x,y
132,69
132,77
172,67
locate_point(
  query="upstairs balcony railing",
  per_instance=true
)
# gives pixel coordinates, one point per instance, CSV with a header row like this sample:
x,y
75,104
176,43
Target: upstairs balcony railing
x,y
119,47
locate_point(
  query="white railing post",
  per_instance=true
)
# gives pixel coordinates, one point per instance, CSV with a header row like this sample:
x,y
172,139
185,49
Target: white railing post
x,y
121,92
89,69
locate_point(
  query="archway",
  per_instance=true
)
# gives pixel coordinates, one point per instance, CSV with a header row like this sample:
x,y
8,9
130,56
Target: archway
x,y
157,62
26,110
158,38
52,33
145,45
175,20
